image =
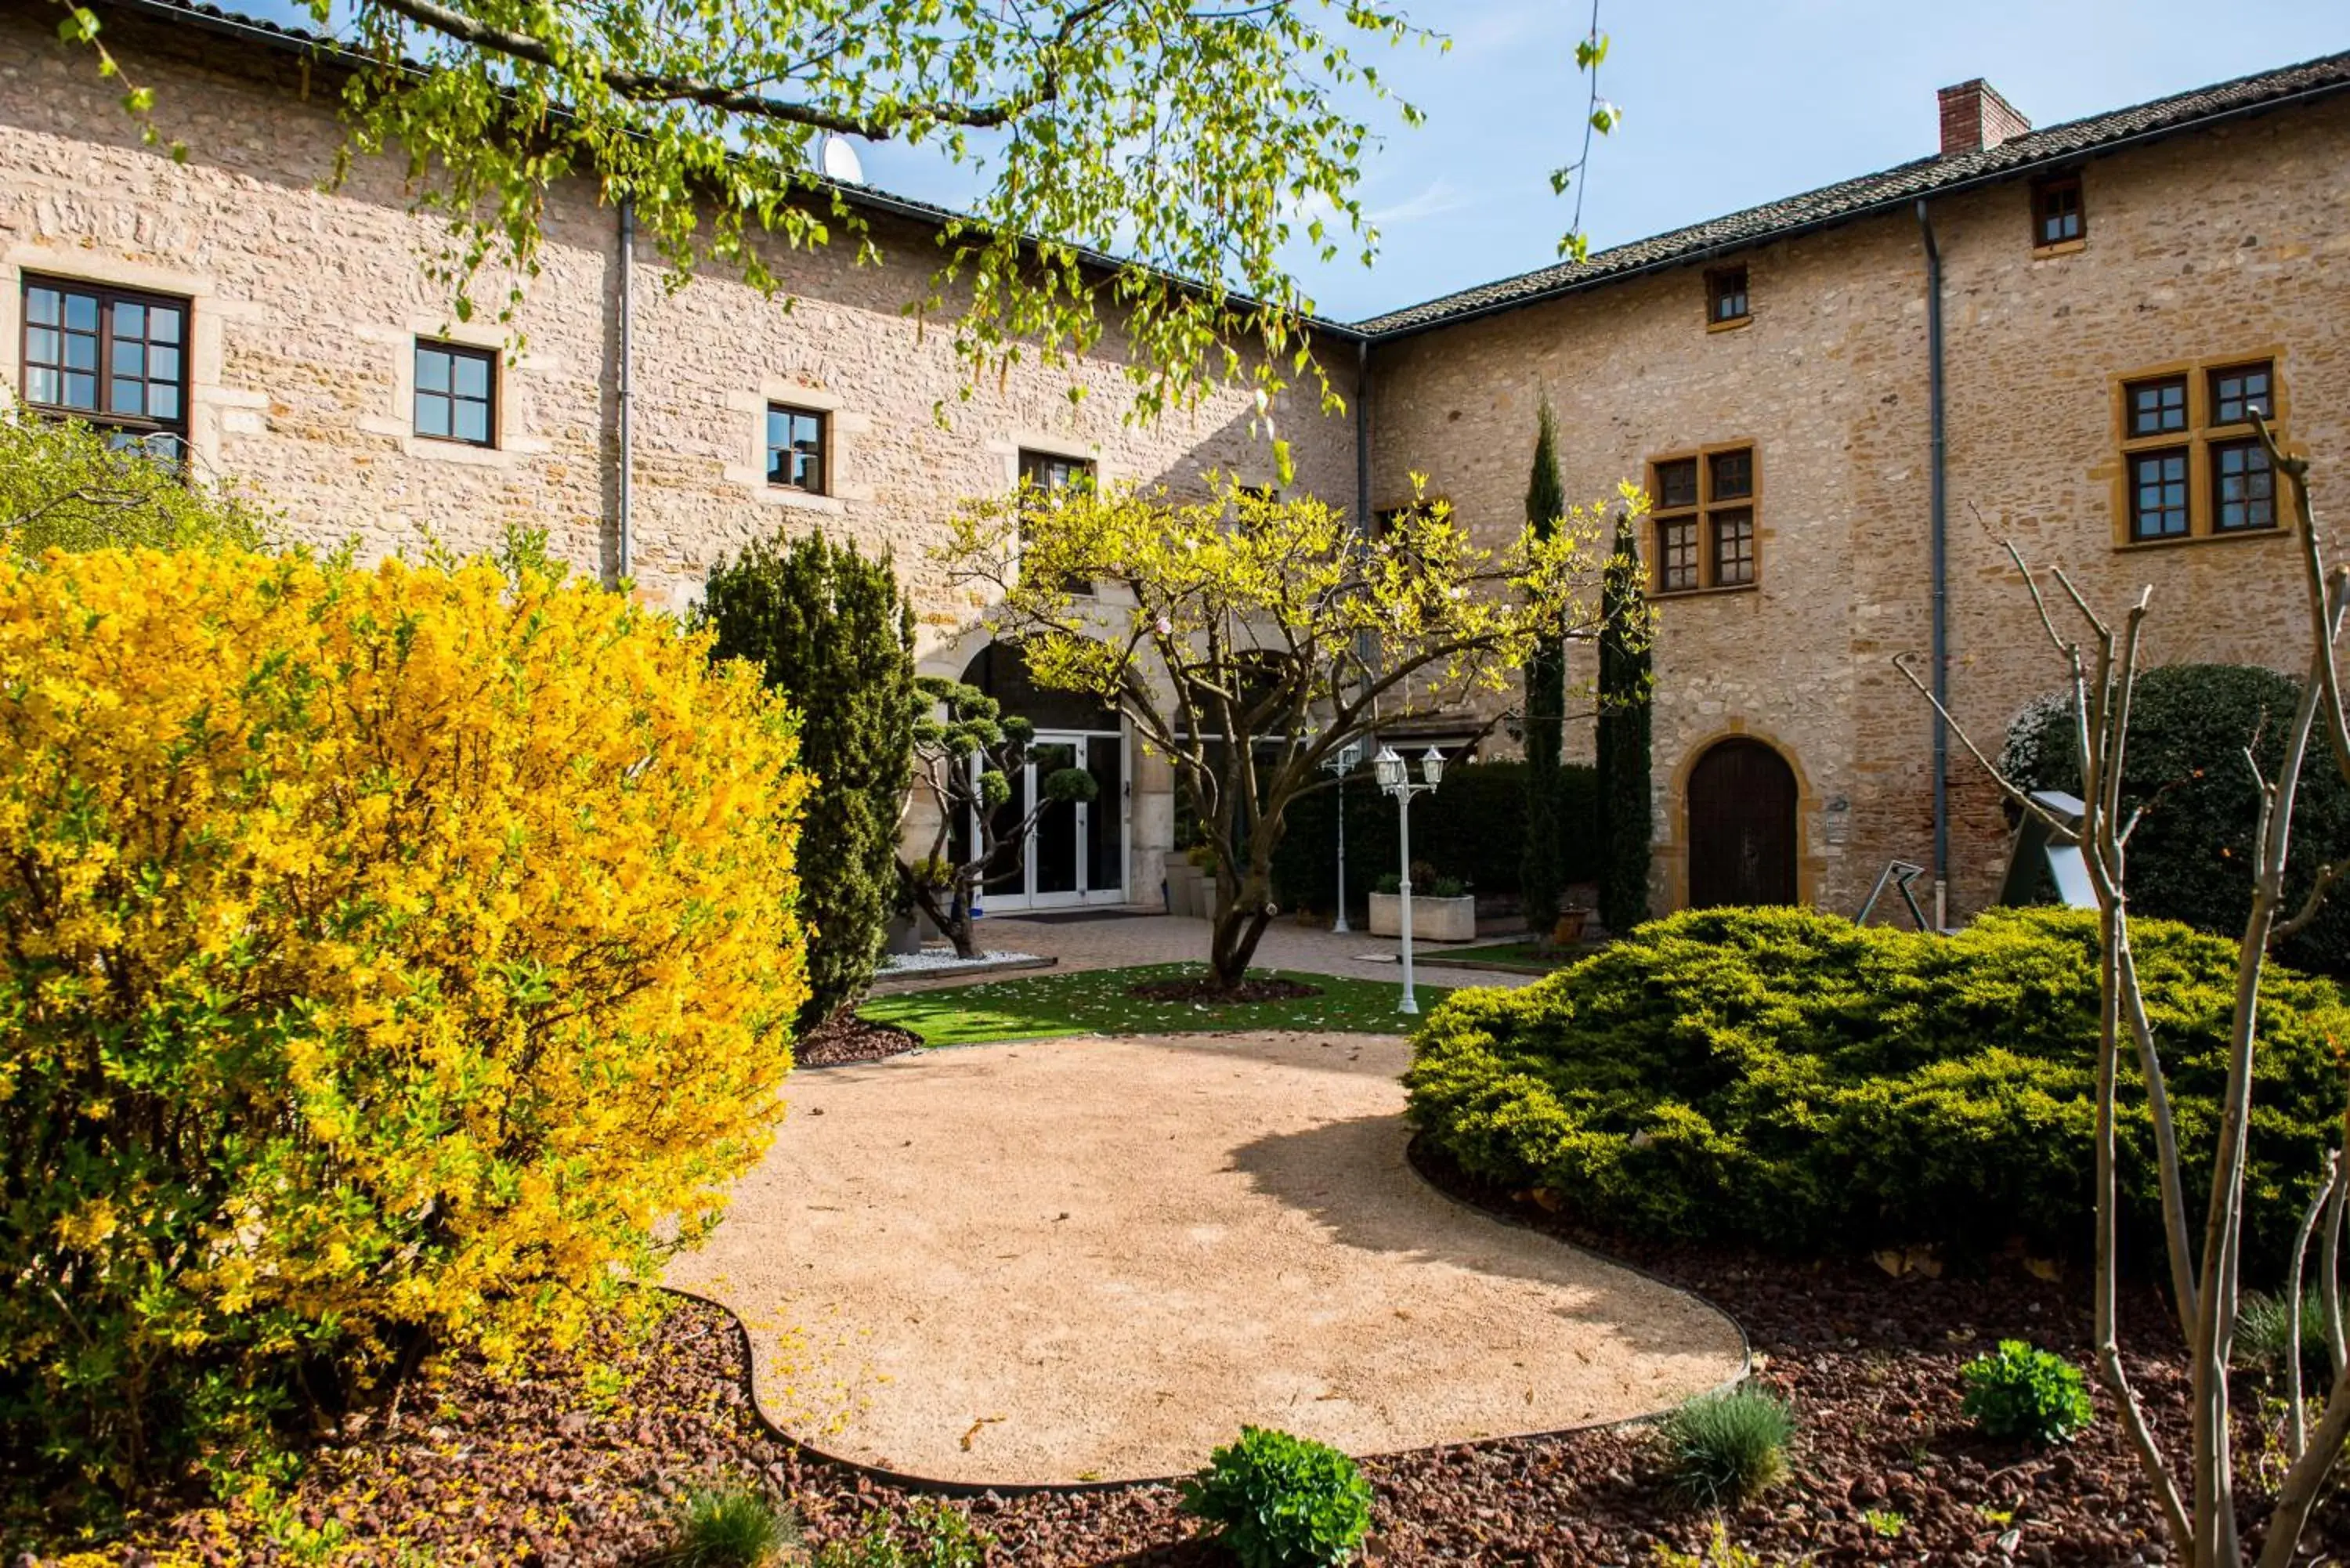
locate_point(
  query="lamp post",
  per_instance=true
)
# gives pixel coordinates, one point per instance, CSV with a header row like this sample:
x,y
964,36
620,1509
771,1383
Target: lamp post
x,y
1395,777
1345,762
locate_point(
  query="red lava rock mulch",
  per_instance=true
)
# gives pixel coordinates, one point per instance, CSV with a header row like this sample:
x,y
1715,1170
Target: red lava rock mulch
x,y
1202,990
556,1466
844,1038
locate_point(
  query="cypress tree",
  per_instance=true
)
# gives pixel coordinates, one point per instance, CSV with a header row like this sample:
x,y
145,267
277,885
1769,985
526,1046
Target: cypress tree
x,y
830,629
1540,865
1625,818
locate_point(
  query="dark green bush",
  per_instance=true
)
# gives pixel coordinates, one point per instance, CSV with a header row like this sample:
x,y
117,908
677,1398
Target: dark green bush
x,y
1791,1079
1726,1448
829,630
1472,827
2021,1394
1283,1502
2190,856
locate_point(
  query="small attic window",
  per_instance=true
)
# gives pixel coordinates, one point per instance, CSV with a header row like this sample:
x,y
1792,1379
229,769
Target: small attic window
x,y
1725,296
2057,215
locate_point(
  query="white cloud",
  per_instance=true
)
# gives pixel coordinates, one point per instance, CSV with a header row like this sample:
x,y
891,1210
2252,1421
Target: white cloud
x,y
1440,196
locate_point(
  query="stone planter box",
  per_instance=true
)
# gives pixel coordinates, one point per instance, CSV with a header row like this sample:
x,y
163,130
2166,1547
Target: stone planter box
x,y
904,937
1432,919
909,933
1189,892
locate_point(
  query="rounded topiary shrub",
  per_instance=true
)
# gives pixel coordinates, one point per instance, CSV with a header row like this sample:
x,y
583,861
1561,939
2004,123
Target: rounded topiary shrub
x,y
2191,855
1794,1079
391,958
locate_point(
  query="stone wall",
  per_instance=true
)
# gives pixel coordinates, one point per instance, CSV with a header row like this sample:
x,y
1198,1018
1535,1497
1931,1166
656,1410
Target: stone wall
x,y
2209,247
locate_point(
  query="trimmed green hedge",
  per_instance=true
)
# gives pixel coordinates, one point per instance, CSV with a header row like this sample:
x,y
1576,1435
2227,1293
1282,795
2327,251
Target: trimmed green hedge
x,y
1791,1079
1472,827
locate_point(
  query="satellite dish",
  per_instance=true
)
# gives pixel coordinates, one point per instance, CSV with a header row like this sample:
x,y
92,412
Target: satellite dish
x,y
839,161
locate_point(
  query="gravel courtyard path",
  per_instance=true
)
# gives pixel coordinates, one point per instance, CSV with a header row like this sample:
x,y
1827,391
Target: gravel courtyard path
x,y
1093,1260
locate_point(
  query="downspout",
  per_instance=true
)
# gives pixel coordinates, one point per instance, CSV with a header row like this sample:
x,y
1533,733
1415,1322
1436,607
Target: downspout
x,y
1366,645
1363,436
1939,551
624,537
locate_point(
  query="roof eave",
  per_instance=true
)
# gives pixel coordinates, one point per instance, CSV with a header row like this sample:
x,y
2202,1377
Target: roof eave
x,y
1895,202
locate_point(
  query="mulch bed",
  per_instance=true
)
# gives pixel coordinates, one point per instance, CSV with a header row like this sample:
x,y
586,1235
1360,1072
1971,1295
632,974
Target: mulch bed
x,y
844,1037
1208,990
556,1466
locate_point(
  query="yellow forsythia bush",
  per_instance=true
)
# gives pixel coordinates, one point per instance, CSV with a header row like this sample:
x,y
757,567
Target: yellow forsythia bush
x,y
391,957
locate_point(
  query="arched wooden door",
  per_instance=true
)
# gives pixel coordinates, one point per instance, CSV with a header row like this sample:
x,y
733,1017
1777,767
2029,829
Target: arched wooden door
x,y
1741,826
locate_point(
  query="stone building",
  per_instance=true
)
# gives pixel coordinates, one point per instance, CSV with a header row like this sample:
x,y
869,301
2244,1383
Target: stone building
x,y
2107,297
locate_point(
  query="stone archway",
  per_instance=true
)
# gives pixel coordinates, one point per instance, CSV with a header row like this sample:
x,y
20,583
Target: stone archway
x,y
1743,831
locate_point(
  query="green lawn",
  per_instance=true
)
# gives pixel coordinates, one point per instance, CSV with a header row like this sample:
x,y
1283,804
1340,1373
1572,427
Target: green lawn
x,y
1528,956
1095,1001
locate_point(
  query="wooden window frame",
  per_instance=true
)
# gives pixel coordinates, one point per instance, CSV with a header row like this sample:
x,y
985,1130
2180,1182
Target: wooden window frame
x,y
142,427
487,358
2049,185
1032,464
2201,439
1722,283
1706,517
823,421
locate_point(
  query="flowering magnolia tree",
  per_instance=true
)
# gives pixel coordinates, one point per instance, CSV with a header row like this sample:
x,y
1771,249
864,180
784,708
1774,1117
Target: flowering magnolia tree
x,y
1249,639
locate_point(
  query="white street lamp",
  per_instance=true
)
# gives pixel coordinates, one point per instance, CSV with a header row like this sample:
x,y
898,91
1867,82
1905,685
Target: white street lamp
x,y
1395,777
1349,756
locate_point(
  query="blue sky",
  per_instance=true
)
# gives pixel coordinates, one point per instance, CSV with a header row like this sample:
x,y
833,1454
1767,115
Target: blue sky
x,y
1728,103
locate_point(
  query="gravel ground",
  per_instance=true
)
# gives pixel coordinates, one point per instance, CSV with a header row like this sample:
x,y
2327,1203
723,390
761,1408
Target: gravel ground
x,y
1094,1260
932,961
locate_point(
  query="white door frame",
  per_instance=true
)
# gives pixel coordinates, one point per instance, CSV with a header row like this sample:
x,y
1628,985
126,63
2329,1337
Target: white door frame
x,y
1009,901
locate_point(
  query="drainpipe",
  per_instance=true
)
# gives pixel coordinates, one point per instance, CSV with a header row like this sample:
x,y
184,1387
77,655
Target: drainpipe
x,y
1941,554
1363,436
624,537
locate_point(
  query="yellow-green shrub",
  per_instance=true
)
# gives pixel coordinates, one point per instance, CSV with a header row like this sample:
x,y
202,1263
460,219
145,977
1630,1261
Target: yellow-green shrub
x,y
388,955
1790,1078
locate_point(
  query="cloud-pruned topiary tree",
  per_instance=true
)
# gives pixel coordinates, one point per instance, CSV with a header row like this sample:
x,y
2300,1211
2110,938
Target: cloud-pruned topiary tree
x,y
966,750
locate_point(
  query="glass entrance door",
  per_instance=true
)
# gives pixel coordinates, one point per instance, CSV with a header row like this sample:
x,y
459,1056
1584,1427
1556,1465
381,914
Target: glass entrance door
x,y
1057,843
1074,852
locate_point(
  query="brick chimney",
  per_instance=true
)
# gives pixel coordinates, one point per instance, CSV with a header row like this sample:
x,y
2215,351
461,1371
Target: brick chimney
x,y
1975,116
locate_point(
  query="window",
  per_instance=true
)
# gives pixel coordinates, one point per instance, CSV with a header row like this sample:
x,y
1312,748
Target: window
x,y
2158,495
795,449
2057,218
112,359
2243,491
1049,473
2239,393
456,392
1725,296
1704,520
2193,467
2157,408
